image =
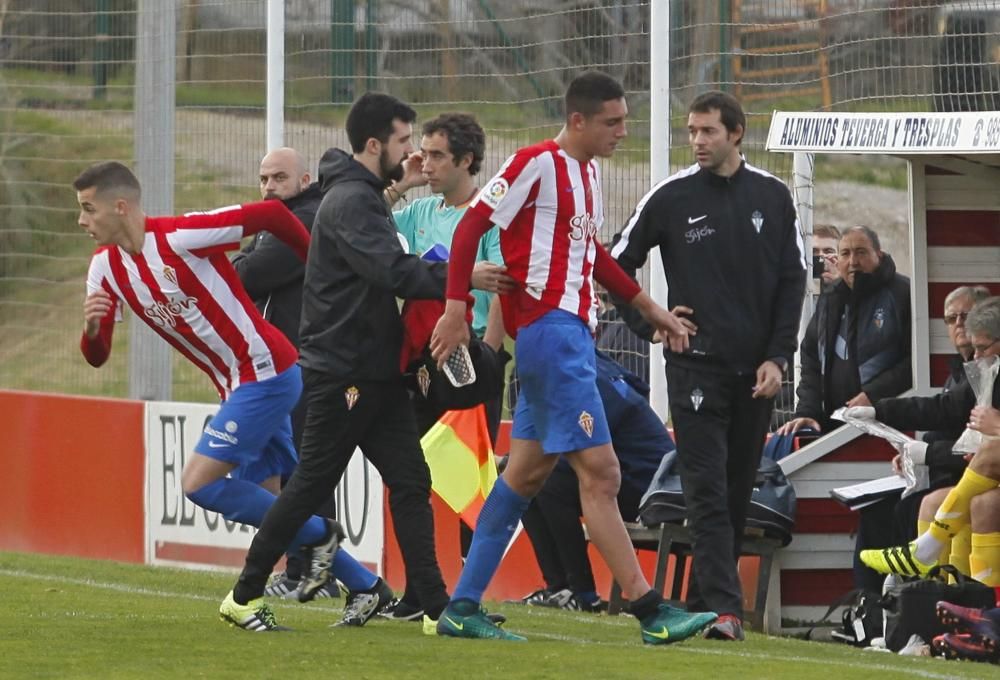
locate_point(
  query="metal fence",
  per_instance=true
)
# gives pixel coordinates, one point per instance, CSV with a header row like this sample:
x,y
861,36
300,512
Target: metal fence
x,y
69,96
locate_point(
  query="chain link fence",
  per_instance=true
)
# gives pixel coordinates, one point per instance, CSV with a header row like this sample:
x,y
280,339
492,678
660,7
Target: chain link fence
x,y
67,98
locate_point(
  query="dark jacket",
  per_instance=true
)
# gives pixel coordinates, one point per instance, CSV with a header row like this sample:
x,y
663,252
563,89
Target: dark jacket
x,y
878,343
272,273
732,252
944,465
355,271
946,412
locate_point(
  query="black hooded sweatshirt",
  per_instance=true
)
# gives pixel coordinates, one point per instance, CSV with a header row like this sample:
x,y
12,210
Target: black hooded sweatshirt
x,y
356,269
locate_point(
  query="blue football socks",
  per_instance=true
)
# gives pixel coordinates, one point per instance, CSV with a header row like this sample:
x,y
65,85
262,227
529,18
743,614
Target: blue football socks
x,y
496,525
354,575
241,501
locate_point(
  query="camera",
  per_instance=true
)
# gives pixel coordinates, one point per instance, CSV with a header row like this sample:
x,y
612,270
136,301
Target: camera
x,y
819,266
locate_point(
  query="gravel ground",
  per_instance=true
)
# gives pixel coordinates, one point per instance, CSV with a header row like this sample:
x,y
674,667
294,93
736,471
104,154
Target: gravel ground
x,y
885,210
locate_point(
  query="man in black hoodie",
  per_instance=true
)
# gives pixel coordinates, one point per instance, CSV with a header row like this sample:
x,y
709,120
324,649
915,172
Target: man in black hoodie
x,y
351,337
268,269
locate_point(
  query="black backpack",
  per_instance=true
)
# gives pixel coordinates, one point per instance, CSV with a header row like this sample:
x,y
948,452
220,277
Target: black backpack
x,y
663,501
772,506
911,606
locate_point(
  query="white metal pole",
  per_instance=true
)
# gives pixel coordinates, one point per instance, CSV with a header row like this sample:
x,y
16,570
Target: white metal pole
x,y
803,167
150,360
659,168
275,74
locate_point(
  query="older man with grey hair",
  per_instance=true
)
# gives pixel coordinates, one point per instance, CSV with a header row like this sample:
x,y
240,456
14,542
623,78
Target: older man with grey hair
x,y
982,477
892,522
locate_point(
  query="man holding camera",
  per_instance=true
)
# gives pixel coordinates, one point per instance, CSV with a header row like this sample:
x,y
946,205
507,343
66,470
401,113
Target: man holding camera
x,y
825,239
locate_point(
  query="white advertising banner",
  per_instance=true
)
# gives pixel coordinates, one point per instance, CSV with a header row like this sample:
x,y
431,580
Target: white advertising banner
x,y
179,533
890,133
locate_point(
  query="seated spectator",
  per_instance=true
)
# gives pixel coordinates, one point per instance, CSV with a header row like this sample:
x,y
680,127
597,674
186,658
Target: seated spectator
x,y
897,521
975,491
914,513
857,350
825,239
552,521
857,347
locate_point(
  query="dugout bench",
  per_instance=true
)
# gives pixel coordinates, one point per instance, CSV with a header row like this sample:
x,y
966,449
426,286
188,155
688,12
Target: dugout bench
x,y
674,539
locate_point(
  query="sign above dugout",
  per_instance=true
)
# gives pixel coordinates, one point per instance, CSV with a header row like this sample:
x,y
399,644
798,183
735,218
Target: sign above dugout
x,y
903,134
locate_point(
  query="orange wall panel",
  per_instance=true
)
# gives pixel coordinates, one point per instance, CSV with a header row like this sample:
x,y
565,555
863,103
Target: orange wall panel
x,y
74,473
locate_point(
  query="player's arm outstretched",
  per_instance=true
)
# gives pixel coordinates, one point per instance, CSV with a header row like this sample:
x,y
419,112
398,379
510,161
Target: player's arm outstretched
x,y
674,329
220,230
452,329
275,217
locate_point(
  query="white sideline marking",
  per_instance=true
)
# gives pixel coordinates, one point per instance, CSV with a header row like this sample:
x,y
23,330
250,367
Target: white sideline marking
x,y
768,657
132,590
619,622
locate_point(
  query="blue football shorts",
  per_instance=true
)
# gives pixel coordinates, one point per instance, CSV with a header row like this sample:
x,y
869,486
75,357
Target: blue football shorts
x,y
558,404
253,429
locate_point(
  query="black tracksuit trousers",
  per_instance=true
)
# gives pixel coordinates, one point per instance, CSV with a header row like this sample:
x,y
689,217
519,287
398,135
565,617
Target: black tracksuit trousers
x,y
720,431
377,417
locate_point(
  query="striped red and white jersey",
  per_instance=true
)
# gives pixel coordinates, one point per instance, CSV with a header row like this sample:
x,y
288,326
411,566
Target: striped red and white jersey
x,y
182,285
549,208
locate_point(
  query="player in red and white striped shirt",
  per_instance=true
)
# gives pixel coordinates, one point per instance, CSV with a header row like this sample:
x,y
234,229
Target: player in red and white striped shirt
x,y
179,281
547,202
549,208
174,275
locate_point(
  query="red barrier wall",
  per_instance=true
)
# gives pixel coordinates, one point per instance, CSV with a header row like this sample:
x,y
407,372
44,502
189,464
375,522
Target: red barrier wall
x,y
74,476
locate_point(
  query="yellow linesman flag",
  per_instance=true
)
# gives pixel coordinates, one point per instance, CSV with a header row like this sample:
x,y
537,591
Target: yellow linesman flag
x,y
459,454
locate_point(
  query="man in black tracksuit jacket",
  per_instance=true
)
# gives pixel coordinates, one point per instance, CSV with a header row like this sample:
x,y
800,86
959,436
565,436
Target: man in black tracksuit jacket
x,y
733,256
351,337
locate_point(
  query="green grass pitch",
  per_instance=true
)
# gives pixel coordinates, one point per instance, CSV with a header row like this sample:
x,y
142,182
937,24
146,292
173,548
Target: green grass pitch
x,y
74,618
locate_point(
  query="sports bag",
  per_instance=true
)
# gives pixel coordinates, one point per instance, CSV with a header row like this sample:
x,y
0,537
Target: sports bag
x,y
664,500
772,505
911,606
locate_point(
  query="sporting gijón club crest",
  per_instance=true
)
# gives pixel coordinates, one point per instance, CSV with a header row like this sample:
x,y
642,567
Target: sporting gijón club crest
x,y
697,396
424,380
351,395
